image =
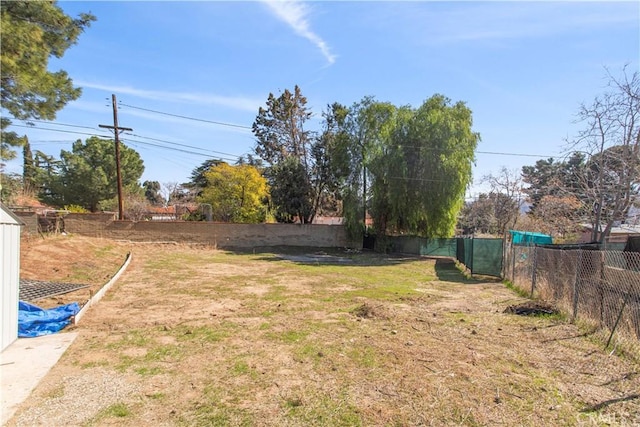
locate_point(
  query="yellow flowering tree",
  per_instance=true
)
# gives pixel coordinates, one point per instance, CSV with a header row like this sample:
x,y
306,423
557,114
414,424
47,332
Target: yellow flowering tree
x,y
236,193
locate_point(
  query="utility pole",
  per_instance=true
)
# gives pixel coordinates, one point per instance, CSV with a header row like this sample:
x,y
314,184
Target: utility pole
x,y
116,132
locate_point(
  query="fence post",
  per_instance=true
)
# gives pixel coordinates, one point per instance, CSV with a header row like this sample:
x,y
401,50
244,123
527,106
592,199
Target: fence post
x,y
513,263
471,259
615,326
534,269
575,285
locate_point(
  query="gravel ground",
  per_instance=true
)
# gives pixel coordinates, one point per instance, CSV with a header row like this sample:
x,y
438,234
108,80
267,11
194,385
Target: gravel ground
x,y
73,401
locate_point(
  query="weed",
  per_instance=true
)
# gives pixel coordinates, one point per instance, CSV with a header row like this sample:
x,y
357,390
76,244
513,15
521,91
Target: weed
x,y
211,411
103,251
241,367
363,356
56,392
156,396
117,410
518,290
125,363
309,352
277,294
148,371
164,353
94,364
134,337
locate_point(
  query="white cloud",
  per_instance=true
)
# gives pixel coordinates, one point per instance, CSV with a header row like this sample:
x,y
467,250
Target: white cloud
x,y
531,20
294,14
237,103
450,22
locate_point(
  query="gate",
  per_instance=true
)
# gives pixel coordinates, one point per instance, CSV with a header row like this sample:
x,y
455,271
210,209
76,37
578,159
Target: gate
x,y
481,256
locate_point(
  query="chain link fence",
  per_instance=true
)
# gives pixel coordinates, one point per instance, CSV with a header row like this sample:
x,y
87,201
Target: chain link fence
x,y
601,288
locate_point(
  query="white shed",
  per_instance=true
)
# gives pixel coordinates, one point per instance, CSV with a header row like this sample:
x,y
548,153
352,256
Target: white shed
x,y
9,274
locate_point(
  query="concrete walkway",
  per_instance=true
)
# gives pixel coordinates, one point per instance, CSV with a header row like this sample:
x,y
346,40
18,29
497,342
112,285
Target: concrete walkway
x,y
24,363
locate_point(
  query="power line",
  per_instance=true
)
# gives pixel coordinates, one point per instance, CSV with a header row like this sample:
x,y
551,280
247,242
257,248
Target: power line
x,y
178,149
186,117
62,131
60,124
406,178
178,144
177,159
494,153
234,157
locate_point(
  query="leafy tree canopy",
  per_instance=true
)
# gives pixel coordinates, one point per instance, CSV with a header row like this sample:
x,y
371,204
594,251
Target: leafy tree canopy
x,y
549,177
279,128
86,175
420,173
295,158
368,126
408,168
290,192
198,179
32,32
152,192
235,193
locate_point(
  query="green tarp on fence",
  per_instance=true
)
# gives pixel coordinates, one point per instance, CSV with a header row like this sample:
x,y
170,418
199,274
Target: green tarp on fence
x,y
421,246
487,257
480,256
529,238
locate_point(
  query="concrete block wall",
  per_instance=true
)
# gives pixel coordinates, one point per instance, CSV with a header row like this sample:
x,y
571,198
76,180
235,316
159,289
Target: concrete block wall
x,y
220,235
89,224
30,220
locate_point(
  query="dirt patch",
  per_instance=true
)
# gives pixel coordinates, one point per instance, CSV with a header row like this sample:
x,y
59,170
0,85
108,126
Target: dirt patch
x,y
87,262
199,337
369,311
533,308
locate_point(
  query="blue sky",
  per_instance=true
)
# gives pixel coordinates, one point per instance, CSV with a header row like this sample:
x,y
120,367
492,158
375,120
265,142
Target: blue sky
x,y
523,68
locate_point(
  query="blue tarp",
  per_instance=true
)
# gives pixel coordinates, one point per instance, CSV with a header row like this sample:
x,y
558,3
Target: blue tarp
x,y
34,321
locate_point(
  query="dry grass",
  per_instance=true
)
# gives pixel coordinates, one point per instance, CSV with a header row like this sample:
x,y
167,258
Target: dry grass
x,y
203,337
67,259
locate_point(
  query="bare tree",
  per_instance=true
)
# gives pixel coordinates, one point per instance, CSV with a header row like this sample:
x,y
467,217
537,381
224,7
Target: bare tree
x,y
611,140
558,215
508,184
175,193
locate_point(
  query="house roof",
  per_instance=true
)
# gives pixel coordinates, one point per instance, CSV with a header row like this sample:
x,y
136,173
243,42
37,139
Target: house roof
x,y
8,217
621,229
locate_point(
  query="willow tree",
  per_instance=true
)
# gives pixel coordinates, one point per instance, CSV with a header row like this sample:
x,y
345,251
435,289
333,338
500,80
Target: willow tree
x,y
366,129
420,173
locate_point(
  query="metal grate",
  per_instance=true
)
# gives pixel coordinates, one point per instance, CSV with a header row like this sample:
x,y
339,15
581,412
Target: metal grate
x,y
32,290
